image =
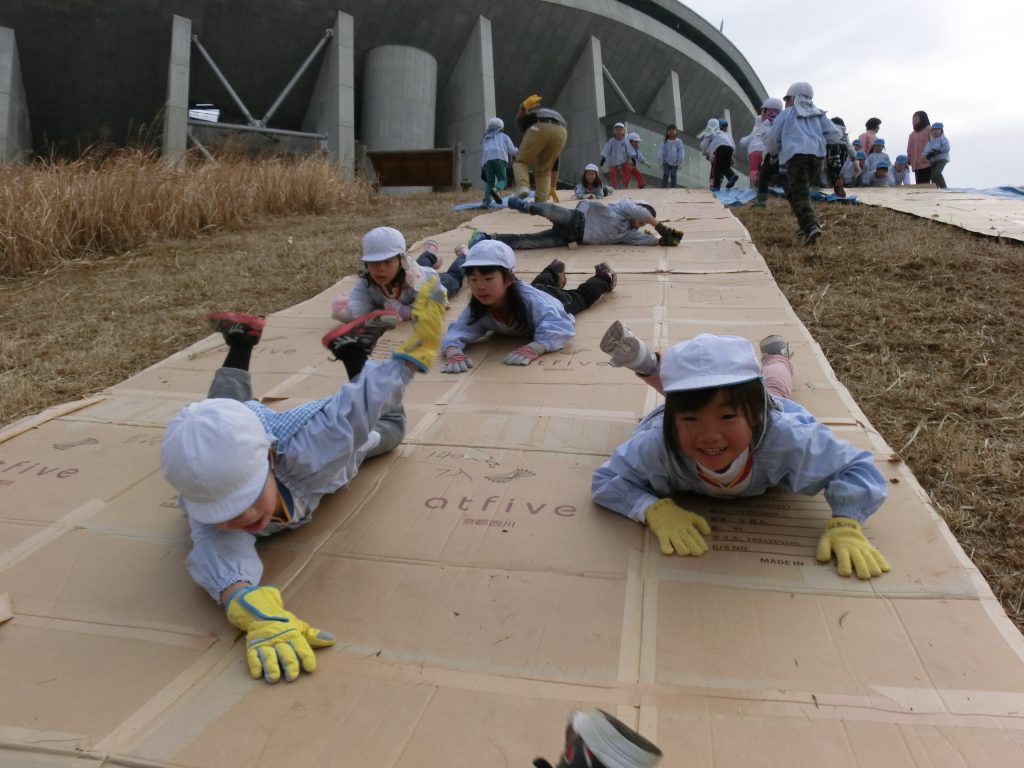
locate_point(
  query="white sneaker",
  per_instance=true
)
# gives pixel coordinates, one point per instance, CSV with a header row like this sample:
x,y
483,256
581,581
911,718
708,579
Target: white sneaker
x,y
775,345
627,351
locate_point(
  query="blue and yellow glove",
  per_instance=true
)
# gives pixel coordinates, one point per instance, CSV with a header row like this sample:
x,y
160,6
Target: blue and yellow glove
x,y
843,537
677,529
276,640
420,349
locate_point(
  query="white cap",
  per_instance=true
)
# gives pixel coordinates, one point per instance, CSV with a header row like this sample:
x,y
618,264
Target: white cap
x,y
490,253
773,103
591,167
382,243
214,453
620,125
800,88
633,137
708,361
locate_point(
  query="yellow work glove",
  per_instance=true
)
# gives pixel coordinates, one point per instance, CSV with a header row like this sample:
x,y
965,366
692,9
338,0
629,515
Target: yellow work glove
x,y
554,195
276,640
420,349
677,529
531,102
844,539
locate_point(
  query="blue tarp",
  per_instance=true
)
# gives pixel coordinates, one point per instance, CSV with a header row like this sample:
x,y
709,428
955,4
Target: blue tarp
x,y
1014,193
730,197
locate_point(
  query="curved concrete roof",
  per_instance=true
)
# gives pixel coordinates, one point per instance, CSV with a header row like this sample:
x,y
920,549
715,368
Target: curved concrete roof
x,y
97,69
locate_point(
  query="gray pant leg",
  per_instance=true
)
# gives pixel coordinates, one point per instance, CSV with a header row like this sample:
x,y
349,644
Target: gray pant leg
x,y
391,428
231,384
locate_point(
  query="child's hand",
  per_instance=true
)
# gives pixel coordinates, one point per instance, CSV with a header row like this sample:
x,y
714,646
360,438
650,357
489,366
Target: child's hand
x,y
525,354
339,308
394,305
455,361
844,538
677,529
669,236
277,641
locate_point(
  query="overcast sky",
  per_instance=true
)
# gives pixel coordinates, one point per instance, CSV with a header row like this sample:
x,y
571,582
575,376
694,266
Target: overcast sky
x,y
958,61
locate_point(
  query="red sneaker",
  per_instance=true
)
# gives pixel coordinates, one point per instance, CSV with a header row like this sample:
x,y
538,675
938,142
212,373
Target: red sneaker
x,y
235,326
364,331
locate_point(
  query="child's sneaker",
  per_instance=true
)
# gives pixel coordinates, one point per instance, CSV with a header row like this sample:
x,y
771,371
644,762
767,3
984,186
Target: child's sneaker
x,y
812,234
519,204
497,196
605,271
775,345
477,236
237,326
732,181
627,351
364,331
557,268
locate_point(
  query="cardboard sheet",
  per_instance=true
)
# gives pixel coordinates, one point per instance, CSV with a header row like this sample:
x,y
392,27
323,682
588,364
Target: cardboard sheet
x,y
477,593
973,211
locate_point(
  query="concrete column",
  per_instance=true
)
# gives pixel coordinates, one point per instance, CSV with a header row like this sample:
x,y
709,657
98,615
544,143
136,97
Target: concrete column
x,y
332,106
467,102
176,107
399,99
15,131
667,106
581,102
399,104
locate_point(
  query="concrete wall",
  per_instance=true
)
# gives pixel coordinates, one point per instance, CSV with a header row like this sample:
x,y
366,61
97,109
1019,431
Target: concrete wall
x,y
467,102
581,102
15,130
332,106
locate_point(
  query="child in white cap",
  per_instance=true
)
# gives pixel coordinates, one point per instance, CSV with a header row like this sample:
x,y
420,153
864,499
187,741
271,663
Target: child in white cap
x,y
936,151
590,223
496,155
799,136
851,170
670,155
753,142
616,153
595,739
728,429
244,471
635,156
591,187
502,304
719,148
390,278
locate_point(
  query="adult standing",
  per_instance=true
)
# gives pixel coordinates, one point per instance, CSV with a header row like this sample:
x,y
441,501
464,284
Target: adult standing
x,y
915,148
868,137
544,136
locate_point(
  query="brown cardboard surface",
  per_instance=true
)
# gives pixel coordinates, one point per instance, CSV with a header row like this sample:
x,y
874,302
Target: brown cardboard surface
x,y
973,211
476,591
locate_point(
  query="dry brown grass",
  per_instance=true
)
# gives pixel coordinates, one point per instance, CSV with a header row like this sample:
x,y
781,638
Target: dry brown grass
x,y
924,323
101,206
921,321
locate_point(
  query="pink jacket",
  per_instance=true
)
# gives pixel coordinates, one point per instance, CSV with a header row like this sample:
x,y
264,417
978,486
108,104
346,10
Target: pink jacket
x,y
868,139
915,148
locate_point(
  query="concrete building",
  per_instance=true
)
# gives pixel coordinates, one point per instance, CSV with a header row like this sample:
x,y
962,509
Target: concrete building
x,y
341,75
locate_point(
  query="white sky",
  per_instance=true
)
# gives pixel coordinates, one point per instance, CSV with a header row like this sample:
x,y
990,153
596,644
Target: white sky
x,y
958,61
